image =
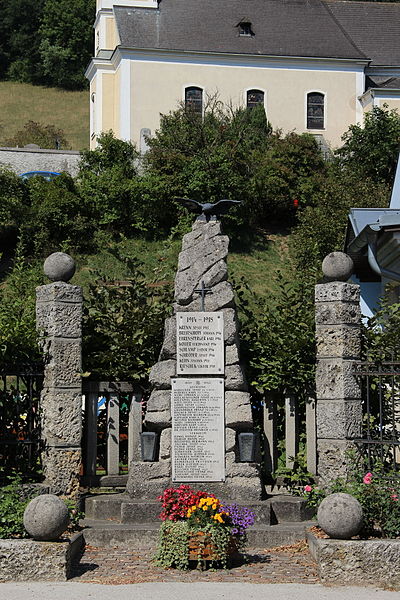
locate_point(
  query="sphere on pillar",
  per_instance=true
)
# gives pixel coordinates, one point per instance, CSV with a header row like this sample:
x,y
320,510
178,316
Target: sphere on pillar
x,y
337,266
46,517
59,266
340,516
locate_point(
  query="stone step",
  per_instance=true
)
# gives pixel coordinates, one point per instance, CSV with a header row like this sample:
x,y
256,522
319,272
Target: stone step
x,y
120,507
145,535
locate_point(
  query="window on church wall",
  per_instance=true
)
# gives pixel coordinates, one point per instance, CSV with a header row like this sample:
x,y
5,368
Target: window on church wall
x,y
315,110
194,100
254,98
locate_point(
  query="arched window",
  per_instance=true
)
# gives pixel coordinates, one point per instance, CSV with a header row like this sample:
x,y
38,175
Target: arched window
x,y
254,97
194,99
315,110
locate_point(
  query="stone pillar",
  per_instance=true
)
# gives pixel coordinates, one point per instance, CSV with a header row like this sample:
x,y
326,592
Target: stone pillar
x,y
59,322
338,334
202,259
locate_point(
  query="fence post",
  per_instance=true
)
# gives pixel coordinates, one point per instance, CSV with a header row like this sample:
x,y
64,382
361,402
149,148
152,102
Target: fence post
x,y
91,389
338,333
291,429
113,434
311,436
59,321
270,434
135,428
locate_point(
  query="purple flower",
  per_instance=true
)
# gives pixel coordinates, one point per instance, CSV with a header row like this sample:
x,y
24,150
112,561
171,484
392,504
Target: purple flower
x,y
241,517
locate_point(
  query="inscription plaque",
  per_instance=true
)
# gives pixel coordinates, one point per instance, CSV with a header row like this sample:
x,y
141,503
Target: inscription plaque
x,y
198,430
200,343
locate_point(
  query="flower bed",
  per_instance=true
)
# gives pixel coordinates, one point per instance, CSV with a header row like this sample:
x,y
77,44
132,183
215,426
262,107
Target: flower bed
x,y
197,527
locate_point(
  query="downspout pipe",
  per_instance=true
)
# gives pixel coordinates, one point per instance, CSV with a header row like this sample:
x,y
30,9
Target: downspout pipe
x,y
369,237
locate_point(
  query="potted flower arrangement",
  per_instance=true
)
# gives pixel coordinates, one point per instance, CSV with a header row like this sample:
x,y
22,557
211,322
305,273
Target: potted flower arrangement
x,y
198,527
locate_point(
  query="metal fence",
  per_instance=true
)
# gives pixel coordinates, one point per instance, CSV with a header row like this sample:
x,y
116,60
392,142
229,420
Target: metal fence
x,y
20,387
380,438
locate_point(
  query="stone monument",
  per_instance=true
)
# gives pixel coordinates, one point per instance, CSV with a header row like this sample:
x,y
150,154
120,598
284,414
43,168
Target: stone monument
x,y
199,403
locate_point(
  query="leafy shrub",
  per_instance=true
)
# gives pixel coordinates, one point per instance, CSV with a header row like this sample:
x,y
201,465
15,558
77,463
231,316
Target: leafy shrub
x,y
371,151
278,341
123,325
45,136
58,218
12,507
13,208
18,336
322,224
378,493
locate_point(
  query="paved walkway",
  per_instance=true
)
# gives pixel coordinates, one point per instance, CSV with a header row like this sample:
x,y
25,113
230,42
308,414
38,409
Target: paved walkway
x,y
291,564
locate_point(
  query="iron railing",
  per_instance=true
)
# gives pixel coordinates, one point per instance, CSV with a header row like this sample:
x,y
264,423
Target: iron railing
x,y
380,437
20,387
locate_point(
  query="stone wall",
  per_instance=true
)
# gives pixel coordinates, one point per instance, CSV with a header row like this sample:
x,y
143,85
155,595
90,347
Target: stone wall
x,y
23,160
357,562
29,560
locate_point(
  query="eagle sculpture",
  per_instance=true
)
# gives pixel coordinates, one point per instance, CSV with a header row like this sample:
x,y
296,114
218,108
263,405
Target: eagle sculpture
x,y
207,210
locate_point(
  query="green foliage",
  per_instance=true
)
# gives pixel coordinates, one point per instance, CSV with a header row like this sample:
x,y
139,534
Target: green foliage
x,y
12,507
285,171
378,493
19,40
173,546
382,332
279,342
233,153
66,41
13,206
123,325
18,336
122,201
45,136
57,218
371,151
297,476
380,501
322,224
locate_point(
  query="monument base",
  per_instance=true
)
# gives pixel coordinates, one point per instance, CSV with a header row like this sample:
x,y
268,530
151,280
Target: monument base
x,y
148,480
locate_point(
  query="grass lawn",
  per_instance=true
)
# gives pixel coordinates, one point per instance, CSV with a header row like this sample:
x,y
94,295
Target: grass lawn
x,y
22,102
256,265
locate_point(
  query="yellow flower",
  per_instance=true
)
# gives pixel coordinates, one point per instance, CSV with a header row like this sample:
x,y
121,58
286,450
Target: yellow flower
x,y
214,507
204,507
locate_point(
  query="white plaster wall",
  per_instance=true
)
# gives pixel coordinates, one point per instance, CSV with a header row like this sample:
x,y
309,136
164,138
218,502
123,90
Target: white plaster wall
x,y
157,86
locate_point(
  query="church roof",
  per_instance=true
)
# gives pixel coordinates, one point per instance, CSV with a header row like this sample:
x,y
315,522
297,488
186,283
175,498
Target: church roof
x,y
373,26
304,28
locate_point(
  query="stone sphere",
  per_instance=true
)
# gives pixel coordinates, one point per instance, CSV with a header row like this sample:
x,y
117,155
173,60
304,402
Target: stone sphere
x,y
46,517
340,516
59,266
337,266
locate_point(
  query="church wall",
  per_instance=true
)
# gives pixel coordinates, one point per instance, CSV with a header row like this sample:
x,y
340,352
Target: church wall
x,y
112,39
117,103
108,102
157,86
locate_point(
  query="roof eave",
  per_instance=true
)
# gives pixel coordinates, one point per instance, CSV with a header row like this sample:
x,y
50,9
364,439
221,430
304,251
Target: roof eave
x,y
357,60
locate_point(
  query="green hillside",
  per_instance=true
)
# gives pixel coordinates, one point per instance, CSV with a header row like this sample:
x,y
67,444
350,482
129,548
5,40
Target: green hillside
x,y
22,102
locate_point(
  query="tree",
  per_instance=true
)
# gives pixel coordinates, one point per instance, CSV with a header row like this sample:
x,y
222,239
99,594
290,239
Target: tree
x,y
13,208
19,40
66,41
45,136
372,150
